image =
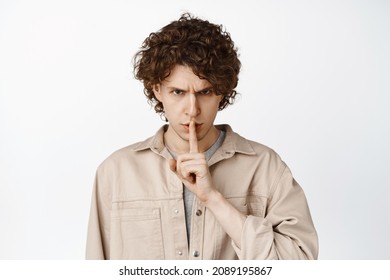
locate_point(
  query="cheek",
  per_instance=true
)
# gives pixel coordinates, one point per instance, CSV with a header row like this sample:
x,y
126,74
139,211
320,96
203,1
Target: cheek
x,y
217,102
171,108
212,109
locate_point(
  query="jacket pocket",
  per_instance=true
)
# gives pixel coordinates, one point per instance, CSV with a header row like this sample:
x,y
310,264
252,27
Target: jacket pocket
x,y
136,234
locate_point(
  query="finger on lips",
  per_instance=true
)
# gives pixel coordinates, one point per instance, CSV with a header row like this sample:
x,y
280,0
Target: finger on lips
x,y
192,138
186,165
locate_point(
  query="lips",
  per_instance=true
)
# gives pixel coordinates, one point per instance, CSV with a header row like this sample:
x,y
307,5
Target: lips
x,y
197,126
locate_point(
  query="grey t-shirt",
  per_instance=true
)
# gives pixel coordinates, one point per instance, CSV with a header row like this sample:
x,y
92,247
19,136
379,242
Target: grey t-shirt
x,y
187,194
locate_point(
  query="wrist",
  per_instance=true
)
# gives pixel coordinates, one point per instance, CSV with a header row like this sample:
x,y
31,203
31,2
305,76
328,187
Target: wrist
x,y
213,199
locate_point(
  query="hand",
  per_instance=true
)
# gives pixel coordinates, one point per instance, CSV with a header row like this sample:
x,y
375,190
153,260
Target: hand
x,y
193,171
192,168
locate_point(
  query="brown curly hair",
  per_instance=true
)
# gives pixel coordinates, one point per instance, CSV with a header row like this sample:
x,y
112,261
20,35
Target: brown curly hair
x,y
205,47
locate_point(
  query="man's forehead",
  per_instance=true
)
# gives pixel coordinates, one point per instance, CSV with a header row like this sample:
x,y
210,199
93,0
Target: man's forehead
x,y
185,83
183,77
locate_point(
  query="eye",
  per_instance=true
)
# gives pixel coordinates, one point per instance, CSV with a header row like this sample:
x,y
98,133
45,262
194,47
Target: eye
x,y
177,92
205,92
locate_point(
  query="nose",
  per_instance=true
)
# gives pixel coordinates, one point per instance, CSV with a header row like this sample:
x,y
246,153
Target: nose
x,y
192,106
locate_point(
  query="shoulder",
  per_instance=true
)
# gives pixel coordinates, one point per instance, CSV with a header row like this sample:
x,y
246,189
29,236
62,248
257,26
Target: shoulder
x,y
125,157
242,145
254,157
250,161
136,151
131,149
263,150
266,158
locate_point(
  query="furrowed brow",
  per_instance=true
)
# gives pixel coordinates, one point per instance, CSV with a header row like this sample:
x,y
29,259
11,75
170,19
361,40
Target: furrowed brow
x,y
170,88
205,89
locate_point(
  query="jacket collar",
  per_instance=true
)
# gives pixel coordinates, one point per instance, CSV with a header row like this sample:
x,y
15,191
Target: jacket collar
x,y
232,144
155,143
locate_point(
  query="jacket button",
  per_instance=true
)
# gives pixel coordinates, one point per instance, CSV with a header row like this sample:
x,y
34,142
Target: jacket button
x,y
195,253
198,212
176,211
180,253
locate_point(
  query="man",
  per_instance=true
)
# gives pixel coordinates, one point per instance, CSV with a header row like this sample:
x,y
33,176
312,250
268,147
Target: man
x,y
196,190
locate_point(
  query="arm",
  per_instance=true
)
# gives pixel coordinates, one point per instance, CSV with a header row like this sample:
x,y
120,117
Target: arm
x,y
98,226
286,232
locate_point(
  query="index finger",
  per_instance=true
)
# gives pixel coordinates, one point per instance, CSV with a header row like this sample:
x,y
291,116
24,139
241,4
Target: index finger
x,y
192,138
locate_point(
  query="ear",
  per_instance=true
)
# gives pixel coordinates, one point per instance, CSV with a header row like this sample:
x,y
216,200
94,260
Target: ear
x,y
157,92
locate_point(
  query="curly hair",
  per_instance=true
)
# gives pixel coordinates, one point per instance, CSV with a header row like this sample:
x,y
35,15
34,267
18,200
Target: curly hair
x,y
204,47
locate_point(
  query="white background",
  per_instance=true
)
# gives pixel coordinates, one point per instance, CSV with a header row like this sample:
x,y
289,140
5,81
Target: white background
x,y
314,86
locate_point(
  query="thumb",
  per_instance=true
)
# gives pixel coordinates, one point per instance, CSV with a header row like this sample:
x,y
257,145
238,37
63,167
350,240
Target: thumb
x,y
172,165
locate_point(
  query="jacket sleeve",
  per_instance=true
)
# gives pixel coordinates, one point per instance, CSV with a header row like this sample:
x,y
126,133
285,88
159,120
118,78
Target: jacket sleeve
x,y
98,235
286,231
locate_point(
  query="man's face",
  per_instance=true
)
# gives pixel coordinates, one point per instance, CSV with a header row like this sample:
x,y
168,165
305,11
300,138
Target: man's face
x,y
186,97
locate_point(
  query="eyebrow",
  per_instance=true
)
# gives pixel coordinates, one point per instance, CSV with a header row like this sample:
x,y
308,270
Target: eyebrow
x,y
178,88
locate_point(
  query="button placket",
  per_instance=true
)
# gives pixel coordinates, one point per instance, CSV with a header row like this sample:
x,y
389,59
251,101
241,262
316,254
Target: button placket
x,y
178,227
197,228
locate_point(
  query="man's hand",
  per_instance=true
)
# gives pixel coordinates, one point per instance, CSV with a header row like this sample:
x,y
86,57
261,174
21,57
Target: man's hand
x,y
192,168
193,171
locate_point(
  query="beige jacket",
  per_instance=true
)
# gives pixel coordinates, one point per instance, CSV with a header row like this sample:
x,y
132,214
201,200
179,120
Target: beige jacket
x,y
137,209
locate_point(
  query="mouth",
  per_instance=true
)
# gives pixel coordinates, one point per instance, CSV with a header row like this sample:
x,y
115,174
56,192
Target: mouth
x,y
187,126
